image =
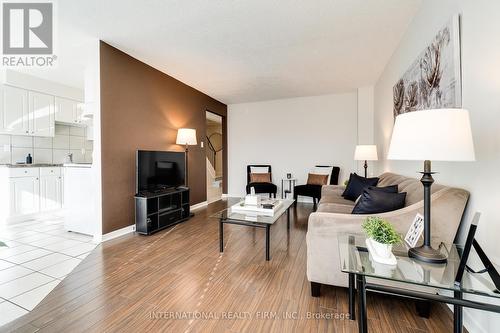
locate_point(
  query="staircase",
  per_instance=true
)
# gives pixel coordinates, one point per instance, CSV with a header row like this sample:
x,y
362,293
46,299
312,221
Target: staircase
x,y
211,153
214,184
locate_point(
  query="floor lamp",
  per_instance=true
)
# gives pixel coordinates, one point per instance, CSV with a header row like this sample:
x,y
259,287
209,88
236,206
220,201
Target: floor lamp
x,y
438,135
366,153
186,137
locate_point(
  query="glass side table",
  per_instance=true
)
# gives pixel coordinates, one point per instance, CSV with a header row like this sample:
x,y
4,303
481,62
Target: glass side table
x,y
291,185
408,274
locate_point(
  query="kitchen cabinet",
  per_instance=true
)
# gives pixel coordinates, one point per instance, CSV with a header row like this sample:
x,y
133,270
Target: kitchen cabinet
x,y
69,111
14,113
79,199
89,131
24,112
32,113
24,195
50,189
29,191
41,114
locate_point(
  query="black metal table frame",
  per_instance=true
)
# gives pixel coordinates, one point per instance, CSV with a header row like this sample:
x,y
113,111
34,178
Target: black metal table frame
x,y
266,226
290,181
359,281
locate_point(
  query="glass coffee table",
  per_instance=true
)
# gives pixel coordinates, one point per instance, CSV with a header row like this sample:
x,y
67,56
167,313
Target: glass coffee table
x,y
252,219
356,261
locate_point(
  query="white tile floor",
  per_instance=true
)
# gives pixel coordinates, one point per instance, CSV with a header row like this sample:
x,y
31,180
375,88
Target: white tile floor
x,y
39,255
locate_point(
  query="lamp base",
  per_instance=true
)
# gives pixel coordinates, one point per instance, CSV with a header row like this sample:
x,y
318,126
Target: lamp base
x,y
427,254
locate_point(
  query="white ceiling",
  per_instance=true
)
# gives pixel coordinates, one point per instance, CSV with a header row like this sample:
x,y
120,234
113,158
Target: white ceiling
x,y
241,51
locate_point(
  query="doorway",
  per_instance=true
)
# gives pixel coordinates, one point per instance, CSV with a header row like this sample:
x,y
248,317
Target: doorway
x,y
214,156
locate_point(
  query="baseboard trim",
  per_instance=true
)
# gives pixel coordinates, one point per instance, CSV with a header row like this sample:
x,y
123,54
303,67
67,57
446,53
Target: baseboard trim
x,y
305,199
117,233
199,205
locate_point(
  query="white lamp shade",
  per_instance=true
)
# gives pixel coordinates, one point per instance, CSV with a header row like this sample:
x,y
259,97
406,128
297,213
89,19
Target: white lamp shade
x,y
186,136
437,135
365,153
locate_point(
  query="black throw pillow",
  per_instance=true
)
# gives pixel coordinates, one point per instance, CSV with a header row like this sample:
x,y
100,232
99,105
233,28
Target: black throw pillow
x,y
387,189
356,186
375,201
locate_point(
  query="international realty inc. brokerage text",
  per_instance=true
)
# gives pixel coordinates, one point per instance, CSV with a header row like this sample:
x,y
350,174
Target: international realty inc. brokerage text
x,y
246,315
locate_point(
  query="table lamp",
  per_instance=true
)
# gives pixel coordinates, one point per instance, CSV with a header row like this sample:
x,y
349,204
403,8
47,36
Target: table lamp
x,y
366,153
439,135
186,137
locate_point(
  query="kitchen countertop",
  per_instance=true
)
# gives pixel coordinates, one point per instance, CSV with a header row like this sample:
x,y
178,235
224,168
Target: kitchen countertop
x,y
33,165
77,165
46,165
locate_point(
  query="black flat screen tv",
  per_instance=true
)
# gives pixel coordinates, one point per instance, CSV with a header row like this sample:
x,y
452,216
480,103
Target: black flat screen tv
x,y
159,170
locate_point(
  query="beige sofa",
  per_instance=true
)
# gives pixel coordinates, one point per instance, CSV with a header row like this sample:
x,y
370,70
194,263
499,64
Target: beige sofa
x,y
333,217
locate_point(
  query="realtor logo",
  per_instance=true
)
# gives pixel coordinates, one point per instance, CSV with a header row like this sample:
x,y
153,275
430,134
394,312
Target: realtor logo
x,y
27,28
28,34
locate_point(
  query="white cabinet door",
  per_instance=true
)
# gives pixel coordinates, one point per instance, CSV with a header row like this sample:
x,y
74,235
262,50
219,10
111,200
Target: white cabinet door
x,y
79,112
14,114
42,113
24,195
89,131
66,110
69,111
50,192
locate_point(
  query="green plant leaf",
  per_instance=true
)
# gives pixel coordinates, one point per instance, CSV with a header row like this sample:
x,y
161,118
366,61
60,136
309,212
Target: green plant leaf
x,y
381,231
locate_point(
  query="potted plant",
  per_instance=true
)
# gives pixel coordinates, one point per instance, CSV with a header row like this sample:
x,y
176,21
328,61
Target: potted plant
x,y
381,237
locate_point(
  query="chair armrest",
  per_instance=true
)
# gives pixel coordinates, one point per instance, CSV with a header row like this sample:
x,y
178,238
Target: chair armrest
x,y
332,190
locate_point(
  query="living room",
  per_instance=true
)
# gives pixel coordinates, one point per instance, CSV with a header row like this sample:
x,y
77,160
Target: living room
x,y
298,92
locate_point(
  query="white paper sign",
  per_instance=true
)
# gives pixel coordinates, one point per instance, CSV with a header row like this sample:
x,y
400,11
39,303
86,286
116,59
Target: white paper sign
x,y
416,229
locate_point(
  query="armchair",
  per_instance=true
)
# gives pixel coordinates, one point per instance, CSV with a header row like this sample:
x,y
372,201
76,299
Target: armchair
x,y
314,191
261,187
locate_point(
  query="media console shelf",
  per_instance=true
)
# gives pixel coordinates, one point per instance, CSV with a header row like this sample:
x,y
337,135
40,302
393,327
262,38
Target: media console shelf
x,y
155,211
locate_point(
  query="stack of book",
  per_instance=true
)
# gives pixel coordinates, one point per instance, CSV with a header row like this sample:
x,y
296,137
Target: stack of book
x,y
267,207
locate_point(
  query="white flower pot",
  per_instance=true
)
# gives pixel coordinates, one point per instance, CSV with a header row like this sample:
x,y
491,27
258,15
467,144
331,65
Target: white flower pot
x,y
381,253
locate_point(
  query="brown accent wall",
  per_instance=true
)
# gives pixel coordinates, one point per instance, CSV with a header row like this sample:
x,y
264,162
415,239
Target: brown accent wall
x,y
142,108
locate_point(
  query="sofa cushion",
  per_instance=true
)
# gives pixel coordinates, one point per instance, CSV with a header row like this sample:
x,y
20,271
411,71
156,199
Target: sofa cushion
x,y
356,186
374,201
332,198
413,187
336,208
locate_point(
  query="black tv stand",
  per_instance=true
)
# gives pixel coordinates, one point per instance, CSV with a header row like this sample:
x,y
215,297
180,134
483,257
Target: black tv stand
x,y
157,210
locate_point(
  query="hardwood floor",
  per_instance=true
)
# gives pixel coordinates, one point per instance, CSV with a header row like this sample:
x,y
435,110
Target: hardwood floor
x,y
137,283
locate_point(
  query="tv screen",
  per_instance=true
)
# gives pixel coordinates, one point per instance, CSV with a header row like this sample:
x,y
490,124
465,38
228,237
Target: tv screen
x,y
157,170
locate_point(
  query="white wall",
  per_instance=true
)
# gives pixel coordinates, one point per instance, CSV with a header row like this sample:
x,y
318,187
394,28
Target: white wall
x,y
93,104
481,96
292,135
30,82
366,114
